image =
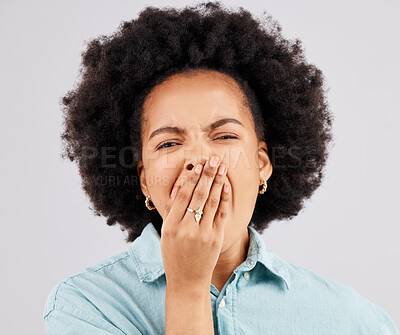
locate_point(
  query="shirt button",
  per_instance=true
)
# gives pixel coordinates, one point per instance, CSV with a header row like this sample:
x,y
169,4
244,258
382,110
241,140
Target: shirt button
x,y
246,276
222,304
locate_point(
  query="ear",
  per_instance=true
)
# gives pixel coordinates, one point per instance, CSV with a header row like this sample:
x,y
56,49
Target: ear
x,y
264,162
142,178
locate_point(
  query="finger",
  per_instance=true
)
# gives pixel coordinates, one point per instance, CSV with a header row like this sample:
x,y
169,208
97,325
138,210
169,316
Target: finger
x,y
184,195
223,208
212,200
174,188
202,190
168,205
181,176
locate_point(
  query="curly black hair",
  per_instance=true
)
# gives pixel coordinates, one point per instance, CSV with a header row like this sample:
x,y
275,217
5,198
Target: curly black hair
x,y
285,93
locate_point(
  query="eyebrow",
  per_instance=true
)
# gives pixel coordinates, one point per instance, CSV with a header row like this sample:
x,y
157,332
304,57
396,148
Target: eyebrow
x,y
181,131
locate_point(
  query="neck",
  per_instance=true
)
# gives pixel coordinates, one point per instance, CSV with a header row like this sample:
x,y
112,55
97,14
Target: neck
x,y
229,260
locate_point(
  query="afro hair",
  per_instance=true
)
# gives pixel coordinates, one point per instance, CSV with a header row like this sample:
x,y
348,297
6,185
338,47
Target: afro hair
x,y
103,113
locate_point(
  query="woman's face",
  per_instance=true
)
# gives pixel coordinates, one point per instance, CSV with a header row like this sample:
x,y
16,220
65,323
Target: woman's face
x,y
192,104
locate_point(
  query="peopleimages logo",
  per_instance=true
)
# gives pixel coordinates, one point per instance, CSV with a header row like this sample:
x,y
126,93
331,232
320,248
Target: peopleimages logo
x,y
113,159
109,157
128,156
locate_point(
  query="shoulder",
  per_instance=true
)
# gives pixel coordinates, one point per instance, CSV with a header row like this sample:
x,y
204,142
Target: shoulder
x,y
108,296
363,314
73,292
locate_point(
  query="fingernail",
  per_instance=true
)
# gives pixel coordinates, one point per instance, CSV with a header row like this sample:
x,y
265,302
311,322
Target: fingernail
x,y
221,169
174,191
213,161
226,188
198,168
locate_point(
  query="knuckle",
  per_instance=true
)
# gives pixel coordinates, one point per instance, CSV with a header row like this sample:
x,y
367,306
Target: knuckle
x,y
219,181
212,203
190,236
208,173
214,243
167,207
225,198
200,195
193,180
187,178
182,196
221,215
204,239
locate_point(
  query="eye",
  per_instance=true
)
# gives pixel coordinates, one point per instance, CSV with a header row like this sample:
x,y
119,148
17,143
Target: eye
x,y
163,145
228,136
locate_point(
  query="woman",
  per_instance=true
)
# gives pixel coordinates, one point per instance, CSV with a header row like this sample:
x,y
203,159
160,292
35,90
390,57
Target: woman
x,y
193,130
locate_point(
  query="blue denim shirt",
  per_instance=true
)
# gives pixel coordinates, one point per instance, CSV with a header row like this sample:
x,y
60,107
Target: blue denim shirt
x,y
125,294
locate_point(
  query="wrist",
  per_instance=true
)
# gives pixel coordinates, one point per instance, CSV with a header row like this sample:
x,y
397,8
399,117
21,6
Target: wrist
x,y
189,288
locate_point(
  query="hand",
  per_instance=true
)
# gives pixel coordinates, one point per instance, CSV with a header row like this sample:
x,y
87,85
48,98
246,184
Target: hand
x,y
190,250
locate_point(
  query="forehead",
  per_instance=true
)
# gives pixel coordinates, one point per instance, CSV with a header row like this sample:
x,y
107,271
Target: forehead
x,y
193,100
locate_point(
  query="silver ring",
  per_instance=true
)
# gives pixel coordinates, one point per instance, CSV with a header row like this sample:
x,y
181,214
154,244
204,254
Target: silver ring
x,y
197,214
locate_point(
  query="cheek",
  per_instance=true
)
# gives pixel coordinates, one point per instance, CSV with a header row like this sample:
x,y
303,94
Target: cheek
x,y
244,181
159,180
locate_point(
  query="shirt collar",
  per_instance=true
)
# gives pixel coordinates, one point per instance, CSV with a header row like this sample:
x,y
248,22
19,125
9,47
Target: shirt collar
x,y
145,251
259,253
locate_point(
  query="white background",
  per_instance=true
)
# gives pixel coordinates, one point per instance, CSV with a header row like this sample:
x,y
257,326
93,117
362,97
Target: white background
x,y
349,230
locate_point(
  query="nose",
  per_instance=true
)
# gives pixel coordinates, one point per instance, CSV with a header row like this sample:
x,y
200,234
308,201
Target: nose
x,y
192,163
200,156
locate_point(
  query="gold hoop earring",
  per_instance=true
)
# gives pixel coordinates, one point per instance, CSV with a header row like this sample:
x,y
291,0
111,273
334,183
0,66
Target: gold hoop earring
x,y
263,182
147,202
